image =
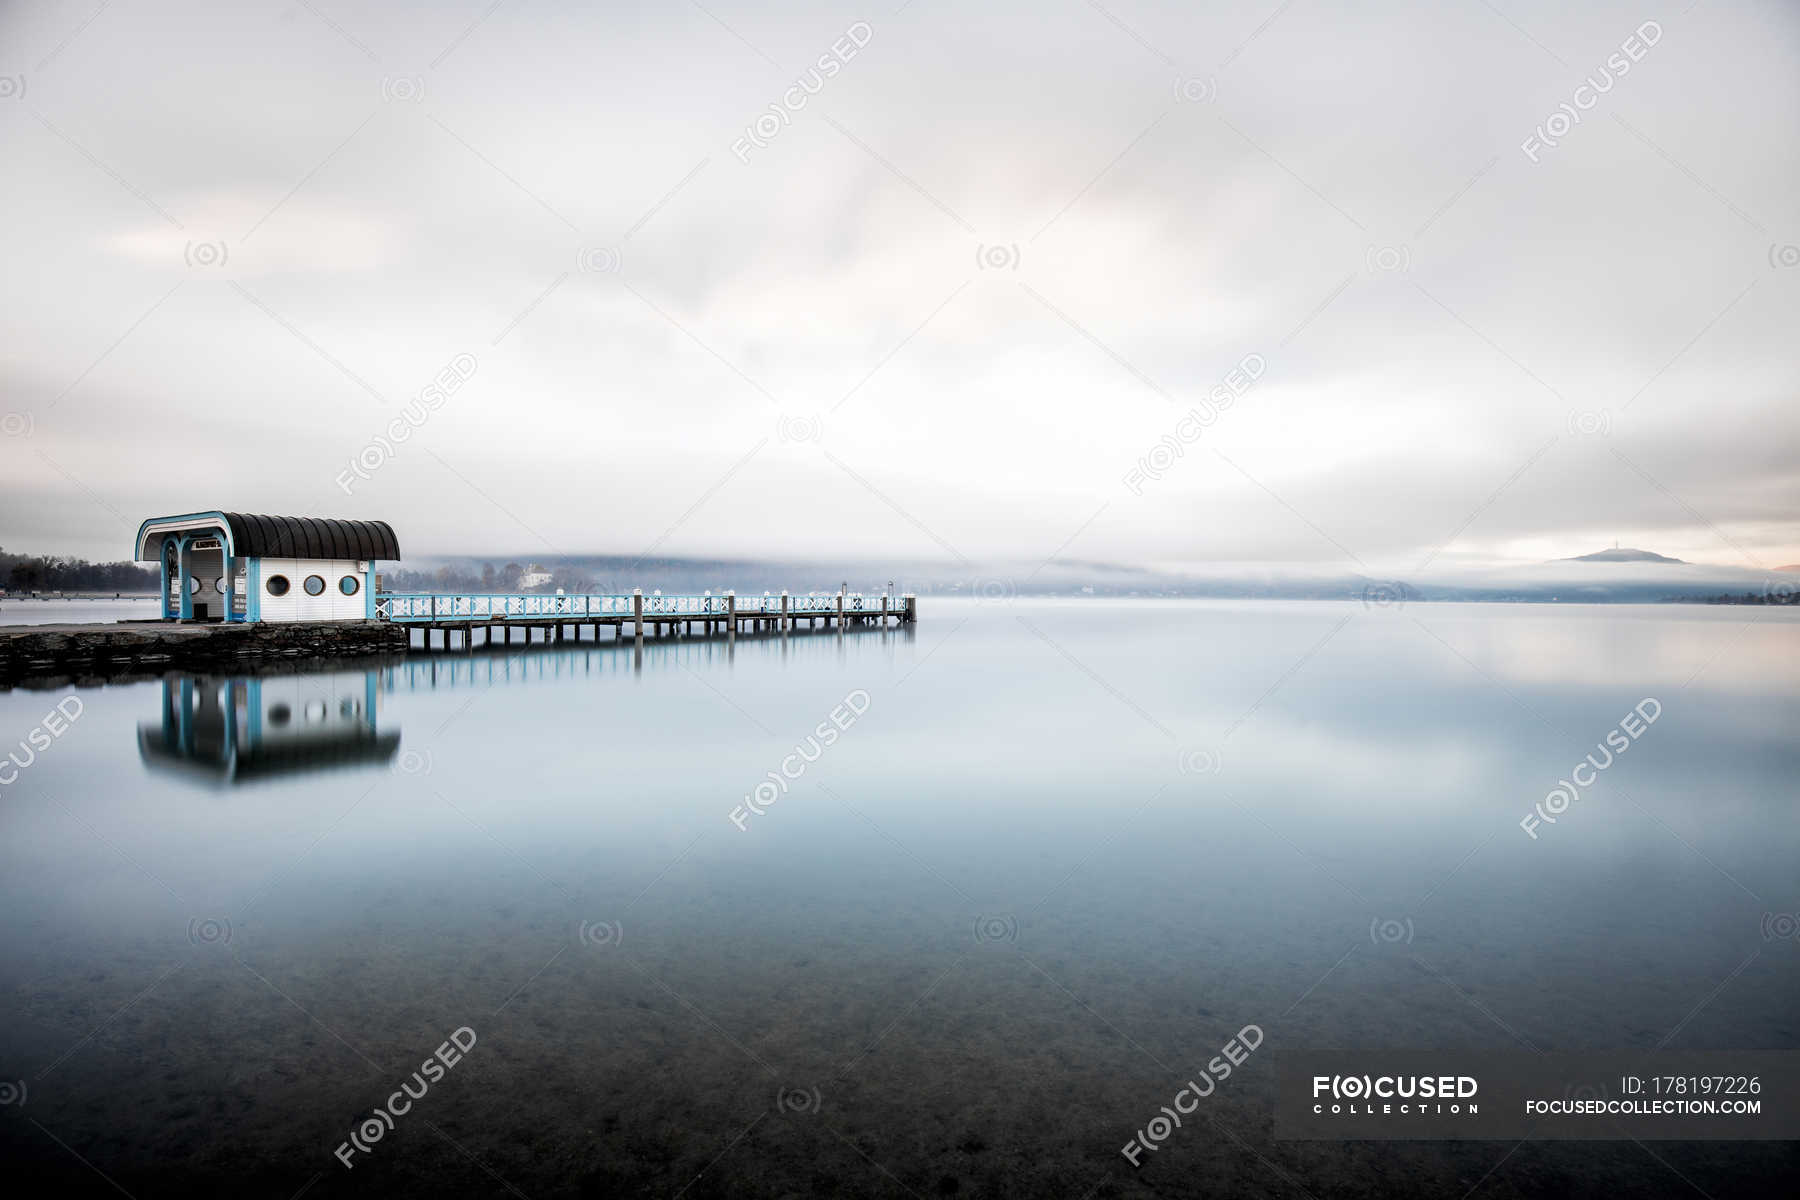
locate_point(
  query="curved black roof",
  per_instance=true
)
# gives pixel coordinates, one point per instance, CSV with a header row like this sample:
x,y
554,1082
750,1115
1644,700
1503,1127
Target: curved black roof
x,y
256,536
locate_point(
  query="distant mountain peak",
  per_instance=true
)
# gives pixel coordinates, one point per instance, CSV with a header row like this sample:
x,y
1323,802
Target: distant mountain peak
x,y
1623,554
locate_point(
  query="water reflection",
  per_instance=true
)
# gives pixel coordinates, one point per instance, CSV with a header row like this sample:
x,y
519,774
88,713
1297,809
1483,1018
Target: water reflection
x,y
222,731
226,732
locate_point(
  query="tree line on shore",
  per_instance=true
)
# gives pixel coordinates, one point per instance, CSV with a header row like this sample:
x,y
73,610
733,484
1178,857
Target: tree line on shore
x,y
1769,596
53,573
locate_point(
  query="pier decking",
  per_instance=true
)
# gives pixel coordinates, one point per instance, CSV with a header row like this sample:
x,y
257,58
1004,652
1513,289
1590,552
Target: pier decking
x,y
561,616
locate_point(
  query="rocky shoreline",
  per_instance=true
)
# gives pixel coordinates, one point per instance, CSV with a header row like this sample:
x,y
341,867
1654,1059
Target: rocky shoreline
x,y
34,653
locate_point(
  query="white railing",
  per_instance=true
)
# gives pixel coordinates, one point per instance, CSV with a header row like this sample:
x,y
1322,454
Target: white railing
x,y
804,605
426,606
659,605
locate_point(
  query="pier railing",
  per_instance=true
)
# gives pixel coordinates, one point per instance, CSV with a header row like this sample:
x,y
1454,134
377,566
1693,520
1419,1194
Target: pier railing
x,y
432,606
423,607
804,605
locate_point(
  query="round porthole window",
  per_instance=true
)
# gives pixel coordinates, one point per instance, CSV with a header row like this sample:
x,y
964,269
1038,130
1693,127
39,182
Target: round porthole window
x,y
280,714
277,585
219,585
348,585
315,585
194,584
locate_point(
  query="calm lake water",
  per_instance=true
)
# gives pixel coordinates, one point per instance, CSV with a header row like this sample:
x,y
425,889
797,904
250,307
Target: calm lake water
x,y
1056,854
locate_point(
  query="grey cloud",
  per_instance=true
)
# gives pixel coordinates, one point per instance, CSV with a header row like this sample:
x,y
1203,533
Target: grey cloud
x,y
1341,191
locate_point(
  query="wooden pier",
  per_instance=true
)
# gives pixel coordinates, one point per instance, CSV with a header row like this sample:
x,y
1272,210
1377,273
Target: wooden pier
x,y
456,619
49,653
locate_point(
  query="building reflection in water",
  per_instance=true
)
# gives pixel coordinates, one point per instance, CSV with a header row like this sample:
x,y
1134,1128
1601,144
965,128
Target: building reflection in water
x,y
227,731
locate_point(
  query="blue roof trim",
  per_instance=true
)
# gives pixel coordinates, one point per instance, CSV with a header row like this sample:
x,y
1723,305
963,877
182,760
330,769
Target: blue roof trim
x,y
249,535
141,552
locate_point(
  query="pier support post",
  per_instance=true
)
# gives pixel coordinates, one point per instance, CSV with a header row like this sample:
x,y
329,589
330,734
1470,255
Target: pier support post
x,y
731,614
840,608
637,611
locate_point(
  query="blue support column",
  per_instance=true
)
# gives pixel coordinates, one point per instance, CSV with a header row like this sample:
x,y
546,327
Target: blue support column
x,y
184,571
162,565
233,568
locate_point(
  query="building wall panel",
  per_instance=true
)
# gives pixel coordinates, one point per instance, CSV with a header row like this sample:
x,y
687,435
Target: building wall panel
x,y
329,605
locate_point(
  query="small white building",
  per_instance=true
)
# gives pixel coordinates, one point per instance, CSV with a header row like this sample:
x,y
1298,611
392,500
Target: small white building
x,y
239,567
533,576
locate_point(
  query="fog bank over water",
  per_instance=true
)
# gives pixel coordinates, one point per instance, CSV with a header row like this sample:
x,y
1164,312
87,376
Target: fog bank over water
x,y
1000,579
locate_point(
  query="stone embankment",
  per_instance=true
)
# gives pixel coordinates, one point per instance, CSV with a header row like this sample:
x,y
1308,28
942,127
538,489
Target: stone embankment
x,y
135,647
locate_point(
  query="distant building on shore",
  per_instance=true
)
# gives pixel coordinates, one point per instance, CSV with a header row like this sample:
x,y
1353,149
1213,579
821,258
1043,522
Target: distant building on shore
x,y
239,567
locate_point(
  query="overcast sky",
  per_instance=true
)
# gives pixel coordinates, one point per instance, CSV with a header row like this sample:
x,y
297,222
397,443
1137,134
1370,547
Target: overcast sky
x,y
942,302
